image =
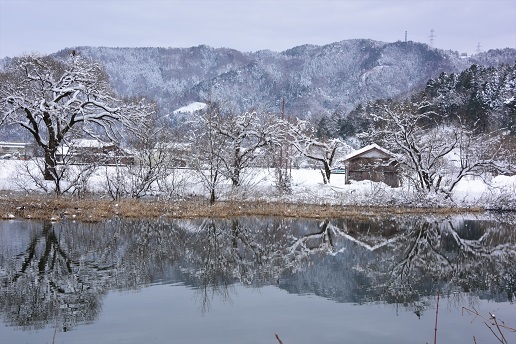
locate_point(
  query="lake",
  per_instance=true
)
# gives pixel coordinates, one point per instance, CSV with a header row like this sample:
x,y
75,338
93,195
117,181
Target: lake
x,y
246,280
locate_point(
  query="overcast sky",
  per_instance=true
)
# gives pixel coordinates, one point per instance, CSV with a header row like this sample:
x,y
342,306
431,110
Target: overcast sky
x,y
46,26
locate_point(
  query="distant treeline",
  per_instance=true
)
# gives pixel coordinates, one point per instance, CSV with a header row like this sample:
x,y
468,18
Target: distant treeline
x,y
480,98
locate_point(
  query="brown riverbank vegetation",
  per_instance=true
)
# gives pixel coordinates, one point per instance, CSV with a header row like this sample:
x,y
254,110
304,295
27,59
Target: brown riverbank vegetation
x,y
43,207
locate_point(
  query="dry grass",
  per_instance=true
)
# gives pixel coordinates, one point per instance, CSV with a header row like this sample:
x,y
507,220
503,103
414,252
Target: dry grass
x,y
97,209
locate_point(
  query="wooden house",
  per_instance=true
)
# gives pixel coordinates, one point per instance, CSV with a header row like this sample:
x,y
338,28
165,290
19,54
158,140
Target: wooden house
x,y
372,163
175,153
88,151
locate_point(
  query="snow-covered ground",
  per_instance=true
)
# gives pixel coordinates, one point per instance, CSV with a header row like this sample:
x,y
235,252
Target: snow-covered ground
x,y
306,187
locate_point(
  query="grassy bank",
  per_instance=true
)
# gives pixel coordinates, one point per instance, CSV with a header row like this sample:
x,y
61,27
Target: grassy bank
x,y
42,207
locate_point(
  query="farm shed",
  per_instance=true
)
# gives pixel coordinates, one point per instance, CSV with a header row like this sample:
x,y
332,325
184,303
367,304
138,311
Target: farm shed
x,y
88,151
20,150
372,163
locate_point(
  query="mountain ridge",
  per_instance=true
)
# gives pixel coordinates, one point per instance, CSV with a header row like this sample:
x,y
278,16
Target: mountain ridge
x,y
312,79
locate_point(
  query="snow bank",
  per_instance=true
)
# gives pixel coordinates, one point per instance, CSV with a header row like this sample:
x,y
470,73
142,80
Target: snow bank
x,y
306,187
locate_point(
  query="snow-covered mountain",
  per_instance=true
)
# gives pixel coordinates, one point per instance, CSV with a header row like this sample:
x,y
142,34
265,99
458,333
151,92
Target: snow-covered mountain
x,y
312,79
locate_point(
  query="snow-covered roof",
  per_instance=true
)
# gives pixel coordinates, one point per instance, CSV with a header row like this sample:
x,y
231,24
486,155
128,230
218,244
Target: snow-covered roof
x,y
366,149
88,143
173,146
81,143
14,144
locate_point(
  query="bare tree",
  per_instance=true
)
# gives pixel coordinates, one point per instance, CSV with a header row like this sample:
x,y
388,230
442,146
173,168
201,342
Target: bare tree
x,y
224,145
69,175
148,169
404,128
54,100
244,135
302,136
436,156
207,157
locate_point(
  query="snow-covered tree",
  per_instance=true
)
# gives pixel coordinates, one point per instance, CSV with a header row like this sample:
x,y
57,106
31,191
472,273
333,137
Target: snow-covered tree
x,y
147,173
301,135
404,128
244,136
207,156
56,100
224,144
435,156
480,97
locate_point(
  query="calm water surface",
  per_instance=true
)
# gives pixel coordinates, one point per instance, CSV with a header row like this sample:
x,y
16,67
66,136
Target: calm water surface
x,y
245,280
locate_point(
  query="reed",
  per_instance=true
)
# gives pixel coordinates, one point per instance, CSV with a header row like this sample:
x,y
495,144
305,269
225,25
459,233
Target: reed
x,y
98,209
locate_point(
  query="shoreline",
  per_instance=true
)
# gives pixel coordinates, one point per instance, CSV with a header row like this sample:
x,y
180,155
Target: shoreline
x,y
52,208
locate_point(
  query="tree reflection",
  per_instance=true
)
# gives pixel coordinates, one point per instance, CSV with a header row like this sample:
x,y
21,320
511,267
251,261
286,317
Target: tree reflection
x,y
444,253
254,252
65,269
408,260
44,282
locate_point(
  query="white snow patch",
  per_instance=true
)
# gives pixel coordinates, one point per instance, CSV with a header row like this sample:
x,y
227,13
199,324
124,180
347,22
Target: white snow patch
x,y
191,108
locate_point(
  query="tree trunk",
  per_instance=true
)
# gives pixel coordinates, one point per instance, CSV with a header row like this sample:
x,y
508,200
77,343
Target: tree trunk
x,y
235,177
325,181
235,173
214,175
49,172
212,196
327,171
427,182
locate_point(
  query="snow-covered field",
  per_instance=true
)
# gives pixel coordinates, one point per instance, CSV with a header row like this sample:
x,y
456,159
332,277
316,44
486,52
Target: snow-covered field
x,y
307,187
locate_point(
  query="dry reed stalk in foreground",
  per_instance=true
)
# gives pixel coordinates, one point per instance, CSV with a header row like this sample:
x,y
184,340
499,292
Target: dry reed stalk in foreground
x,y
436,314
493,324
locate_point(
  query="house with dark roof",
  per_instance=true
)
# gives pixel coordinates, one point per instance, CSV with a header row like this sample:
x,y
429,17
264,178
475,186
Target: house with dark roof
x,y
373,163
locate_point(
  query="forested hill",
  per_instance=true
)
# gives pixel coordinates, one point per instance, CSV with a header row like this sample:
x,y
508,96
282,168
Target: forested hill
x,y
312,79
479,98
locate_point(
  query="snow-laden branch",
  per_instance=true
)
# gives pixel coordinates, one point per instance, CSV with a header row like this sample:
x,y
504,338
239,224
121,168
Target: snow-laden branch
x,y
435,155
301,135
49,98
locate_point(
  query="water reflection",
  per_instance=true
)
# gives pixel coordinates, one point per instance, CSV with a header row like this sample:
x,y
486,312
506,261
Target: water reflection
x,y
401,262
58,273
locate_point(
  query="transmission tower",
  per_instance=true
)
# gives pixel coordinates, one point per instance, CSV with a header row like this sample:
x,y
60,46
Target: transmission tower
x,y
479,48
432,37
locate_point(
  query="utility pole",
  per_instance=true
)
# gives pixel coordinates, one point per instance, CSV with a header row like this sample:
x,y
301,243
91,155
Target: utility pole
x,y
280,163
285,160
405,37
